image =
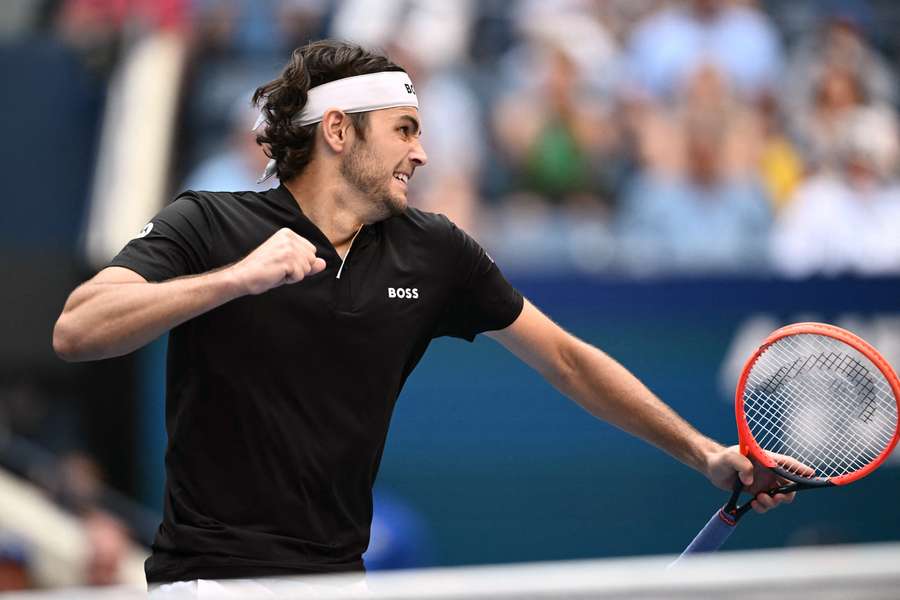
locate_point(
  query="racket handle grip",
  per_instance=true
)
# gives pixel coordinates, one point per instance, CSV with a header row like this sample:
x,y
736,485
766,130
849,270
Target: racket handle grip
x,y
711,537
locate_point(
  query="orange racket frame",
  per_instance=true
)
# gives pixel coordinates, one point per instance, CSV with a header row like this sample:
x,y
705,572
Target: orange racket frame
x,y
749,446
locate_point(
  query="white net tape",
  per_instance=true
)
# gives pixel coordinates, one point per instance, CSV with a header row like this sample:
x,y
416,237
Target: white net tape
x,y
820,401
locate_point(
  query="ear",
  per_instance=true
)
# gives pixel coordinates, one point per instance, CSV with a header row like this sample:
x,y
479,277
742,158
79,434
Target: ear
x,y
336,127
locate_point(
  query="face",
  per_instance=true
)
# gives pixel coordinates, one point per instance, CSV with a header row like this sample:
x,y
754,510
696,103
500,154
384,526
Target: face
x,y
379,167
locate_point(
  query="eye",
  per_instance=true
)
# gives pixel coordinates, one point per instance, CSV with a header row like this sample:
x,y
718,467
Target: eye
x,y
404,129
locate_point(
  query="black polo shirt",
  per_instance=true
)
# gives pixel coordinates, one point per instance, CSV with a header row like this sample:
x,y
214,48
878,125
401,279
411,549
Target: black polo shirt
x,y
278,405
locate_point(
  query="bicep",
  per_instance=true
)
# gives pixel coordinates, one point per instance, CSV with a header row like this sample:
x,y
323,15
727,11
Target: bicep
x,y
537,340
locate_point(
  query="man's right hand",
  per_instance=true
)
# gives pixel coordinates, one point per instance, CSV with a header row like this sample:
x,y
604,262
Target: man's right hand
x,y
283,258
118,311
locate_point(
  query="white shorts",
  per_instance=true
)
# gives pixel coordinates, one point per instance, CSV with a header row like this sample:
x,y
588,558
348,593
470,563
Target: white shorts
x,y
261,588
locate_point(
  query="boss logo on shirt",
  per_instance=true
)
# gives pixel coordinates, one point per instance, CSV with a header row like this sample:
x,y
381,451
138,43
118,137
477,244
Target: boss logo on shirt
x,y
411,293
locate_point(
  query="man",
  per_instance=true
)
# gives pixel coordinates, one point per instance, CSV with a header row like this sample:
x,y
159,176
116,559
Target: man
x,y
297,314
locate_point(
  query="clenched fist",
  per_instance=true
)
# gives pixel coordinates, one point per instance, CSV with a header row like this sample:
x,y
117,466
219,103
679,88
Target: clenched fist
x,y
283,258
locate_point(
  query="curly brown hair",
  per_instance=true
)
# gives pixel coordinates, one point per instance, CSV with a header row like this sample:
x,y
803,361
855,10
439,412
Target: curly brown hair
x,y
283,98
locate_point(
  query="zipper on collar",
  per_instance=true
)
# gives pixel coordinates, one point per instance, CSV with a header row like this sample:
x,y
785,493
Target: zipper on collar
x,y
347,254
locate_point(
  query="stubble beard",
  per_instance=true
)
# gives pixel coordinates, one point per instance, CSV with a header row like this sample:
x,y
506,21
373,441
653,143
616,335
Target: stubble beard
x,y
360,169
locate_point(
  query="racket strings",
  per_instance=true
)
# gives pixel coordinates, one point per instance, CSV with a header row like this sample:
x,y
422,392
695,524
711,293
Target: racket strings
x,y
806,418
795,444
798,444
858,385
830,361
844,412
786,374
821,402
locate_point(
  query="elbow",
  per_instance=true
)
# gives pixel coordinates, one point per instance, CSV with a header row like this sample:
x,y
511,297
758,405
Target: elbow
x,y
66,343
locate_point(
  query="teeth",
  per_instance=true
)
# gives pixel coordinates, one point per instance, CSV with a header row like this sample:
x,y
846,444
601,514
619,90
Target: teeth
x,y
402,177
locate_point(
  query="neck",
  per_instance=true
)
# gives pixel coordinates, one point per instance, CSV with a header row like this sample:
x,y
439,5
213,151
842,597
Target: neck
x,y
328,204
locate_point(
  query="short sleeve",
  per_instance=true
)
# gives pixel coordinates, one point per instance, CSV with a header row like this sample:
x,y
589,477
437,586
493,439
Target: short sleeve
x,y
481,298
173,244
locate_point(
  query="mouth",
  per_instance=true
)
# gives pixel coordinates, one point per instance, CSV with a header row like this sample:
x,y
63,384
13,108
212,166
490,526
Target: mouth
x,y
402,177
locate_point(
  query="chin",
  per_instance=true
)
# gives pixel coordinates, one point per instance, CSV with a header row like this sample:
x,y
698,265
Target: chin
x,y
396,205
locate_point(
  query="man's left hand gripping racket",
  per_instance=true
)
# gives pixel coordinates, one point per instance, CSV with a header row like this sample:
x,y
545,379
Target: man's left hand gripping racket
x,y
815,404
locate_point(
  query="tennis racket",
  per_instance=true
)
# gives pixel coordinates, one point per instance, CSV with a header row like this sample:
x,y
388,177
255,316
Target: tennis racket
x,y
815,404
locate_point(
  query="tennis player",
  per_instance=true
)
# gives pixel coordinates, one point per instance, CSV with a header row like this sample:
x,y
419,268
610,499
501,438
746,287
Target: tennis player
x,y
296,315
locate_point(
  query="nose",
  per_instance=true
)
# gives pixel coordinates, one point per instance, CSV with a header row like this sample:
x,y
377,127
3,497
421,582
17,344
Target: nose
x,y
417,156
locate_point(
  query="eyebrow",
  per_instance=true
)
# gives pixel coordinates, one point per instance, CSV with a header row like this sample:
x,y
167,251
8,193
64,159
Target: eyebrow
x,y
412,121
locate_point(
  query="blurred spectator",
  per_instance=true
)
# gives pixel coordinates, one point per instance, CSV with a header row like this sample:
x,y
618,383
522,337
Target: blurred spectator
x,y
846,220
781,164
437,31
492,35
832,72
669,45
837,94
240,162
248,28
698,205
557,140
97,28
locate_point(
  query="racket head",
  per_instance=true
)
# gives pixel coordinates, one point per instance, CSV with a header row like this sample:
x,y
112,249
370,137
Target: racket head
x,y
846,433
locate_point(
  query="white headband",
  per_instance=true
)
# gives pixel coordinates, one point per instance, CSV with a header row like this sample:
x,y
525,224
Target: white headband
x,y
361,93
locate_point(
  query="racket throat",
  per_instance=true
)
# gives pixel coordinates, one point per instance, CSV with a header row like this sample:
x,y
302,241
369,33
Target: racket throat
x,y
731,513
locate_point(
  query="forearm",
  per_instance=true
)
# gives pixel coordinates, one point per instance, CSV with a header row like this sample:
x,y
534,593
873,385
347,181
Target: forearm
x,y
102,320
609,391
